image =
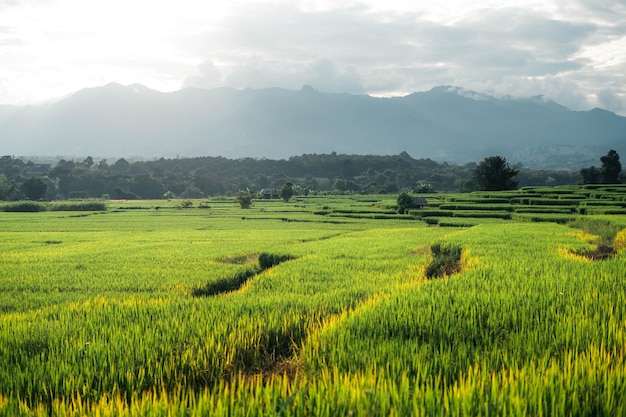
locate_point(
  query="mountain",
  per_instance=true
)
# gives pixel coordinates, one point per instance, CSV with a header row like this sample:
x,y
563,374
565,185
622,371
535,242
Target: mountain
x,y
446,124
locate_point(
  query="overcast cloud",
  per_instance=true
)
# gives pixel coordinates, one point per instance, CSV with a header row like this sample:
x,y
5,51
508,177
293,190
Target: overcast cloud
x,y
573,52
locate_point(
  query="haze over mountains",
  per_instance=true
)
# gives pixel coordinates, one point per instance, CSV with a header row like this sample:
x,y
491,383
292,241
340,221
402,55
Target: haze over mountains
x,y
445,124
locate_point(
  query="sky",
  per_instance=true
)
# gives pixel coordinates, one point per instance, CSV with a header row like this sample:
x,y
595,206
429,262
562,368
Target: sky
x,y
573,52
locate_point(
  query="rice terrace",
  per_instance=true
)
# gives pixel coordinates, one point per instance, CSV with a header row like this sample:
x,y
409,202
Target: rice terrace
x,y
485,303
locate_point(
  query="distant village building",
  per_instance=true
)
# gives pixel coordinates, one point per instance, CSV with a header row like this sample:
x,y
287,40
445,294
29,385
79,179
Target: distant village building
x,y
269,193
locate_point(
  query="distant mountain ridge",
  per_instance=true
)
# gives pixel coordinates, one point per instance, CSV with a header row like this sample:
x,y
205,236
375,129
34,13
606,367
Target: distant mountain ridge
x,y
446,124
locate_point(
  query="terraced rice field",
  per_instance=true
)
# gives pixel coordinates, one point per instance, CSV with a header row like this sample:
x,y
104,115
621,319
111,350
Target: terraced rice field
x,y
320,306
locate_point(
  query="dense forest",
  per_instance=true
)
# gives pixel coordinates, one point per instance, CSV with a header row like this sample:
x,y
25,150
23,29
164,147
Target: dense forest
x,y
202,177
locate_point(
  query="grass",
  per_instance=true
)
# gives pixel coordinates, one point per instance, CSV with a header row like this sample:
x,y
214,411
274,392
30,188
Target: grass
x,y
33,206
99,315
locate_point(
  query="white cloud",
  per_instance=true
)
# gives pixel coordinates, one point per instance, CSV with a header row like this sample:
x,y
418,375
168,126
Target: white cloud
x,y
208,76
573,52
325,75
256,72
608,99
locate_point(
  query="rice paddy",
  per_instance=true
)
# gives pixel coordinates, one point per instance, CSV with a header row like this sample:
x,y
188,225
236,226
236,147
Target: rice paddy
x,y
322,306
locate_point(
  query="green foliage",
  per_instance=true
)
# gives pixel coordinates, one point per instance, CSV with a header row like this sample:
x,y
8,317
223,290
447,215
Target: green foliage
x,y
244,198
82,206
268,260
123,194
405,202
286,191
78,195
591,175
6,188
185,204
495,174
424,188
345,186
611,167
225,285
31,206
446,260
34,188
313,174
24,206
608,173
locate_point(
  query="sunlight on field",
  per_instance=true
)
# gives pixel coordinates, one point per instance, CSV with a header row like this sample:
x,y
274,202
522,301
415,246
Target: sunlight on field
x,y
105,314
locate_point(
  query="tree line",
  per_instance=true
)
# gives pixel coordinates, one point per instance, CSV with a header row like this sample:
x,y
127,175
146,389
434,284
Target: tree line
x,y
203,177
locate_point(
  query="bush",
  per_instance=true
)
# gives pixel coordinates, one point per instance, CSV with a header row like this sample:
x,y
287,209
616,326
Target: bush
x,y
84,206
405,202
225,284
446,260
268,260
244,198
185,204
24,207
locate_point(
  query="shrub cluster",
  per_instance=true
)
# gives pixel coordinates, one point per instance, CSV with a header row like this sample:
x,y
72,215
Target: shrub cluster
x,y
268,260
33,206
223,285
81,206
24,207
446,260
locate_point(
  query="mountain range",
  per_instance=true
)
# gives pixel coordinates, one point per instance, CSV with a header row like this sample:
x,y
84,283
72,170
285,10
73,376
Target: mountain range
x,y
445,124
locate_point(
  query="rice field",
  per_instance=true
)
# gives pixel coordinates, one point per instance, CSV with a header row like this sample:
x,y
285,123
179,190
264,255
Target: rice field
x,y
152,309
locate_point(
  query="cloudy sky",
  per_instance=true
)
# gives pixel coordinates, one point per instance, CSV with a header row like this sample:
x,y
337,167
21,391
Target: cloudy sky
x,y
573,51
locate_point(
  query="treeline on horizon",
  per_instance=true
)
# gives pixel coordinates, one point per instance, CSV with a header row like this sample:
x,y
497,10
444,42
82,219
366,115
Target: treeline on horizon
x,y
202,177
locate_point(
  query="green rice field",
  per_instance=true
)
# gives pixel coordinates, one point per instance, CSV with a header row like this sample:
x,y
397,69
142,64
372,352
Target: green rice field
x,y
322,306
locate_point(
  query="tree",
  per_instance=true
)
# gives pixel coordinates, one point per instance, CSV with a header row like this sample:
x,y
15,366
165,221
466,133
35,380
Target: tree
x,y
192,192
122,194
88,162
6,188
286,191
345,185
494,174
405,202
244,198
423,188
608,173
591,175
611,167
147,186
34,188
121,165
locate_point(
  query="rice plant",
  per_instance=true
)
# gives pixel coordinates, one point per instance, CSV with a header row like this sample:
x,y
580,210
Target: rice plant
x,y
99,317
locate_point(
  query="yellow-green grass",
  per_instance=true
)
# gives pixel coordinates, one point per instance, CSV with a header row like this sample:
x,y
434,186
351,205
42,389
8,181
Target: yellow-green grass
x,y
98,316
